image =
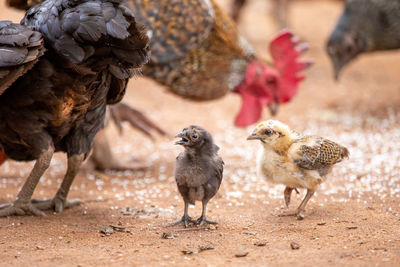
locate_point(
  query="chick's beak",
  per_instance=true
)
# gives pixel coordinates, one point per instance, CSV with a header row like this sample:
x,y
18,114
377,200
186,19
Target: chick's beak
x,y
254,136
182,141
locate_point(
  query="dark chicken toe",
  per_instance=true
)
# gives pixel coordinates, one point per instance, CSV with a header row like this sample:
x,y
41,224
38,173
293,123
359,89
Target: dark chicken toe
x,y
57,203
20,209
202,220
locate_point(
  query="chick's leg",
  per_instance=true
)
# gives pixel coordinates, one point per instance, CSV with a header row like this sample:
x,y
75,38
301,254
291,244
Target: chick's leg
x,y
288,193
22,205
185,219
302,206
59,202
202,220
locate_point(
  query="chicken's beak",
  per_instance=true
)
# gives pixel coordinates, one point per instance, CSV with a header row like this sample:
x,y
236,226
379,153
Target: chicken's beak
x,y
273,108
254,136
182,141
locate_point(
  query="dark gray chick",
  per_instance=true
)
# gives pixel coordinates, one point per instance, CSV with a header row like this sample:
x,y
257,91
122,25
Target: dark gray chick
x,y
198,171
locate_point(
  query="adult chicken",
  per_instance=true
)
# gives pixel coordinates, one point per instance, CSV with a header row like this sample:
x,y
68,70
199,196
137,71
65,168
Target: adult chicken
x,y
56,100
365,26
103,157
198,53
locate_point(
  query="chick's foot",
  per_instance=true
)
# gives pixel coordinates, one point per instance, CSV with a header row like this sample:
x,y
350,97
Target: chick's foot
x,y
186,220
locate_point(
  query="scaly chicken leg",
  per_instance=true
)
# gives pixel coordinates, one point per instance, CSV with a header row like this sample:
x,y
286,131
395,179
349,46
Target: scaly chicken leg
x,y
22,204
202,220
185,219
59,202
302,206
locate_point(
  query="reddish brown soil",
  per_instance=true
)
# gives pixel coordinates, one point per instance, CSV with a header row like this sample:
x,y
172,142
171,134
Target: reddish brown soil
x,y
352,220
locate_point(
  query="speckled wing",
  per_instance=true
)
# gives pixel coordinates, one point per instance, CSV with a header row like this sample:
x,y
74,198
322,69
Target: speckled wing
x,y
315,153
175,26
20,49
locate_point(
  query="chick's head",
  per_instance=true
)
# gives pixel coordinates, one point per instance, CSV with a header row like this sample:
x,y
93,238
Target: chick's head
x,y
270,133
194,137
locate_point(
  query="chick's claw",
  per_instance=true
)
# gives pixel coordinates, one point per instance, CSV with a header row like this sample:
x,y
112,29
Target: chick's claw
x,y
186,220
202,220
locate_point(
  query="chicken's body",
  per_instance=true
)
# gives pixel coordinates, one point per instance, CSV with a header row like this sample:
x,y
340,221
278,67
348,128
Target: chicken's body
x,y
93,48
198,170
365,26
295,160
198,54
104,158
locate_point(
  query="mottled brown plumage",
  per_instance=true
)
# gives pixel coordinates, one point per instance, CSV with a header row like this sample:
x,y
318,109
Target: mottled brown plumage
x,y
198,54
318,153
295,160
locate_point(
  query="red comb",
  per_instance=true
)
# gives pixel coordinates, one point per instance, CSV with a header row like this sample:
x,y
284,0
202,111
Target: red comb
x,y
285,51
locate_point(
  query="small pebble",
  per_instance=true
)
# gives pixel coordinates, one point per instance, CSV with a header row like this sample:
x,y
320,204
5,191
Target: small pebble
x,y
294,245
260,243
241,253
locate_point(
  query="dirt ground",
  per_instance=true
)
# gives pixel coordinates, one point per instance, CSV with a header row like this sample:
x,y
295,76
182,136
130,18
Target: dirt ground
x,y
353,220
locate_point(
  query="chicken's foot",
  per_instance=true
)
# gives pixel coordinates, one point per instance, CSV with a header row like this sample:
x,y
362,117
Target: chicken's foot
x,y
22,205
59,202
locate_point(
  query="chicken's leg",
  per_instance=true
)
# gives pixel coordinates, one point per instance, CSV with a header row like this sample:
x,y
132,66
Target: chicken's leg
x,y
202,220
59,202
288,193
22,205
302,206
185,219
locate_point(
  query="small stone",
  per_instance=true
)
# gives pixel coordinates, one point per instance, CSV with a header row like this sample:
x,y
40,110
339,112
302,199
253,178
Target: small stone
x,y
294,245
249,233
206,247
300,217
107,230
321,223
187,251
167,236
351,227
260,243
241,253
39,248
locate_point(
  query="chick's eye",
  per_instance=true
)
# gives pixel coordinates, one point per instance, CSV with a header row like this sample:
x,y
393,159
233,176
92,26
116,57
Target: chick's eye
x,y
194,136
268,132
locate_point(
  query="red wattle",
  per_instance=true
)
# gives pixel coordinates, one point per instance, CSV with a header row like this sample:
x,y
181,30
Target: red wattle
x,y
250,112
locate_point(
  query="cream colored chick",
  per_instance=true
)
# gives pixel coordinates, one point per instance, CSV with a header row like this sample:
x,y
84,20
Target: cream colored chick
x,y
295,160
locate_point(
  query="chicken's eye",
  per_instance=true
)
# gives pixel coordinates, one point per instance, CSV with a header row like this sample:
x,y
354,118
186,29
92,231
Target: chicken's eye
x,y
194,136
268,132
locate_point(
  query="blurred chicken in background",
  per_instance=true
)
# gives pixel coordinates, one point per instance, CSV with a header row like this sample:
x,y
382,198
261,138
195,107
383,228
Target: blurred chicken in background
x,y
365,26
197,52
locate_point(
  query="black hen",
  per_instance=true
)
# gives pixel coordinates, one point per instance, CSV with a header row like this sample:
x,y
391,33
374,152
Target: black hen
x,y
364,26
93,48
198,170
